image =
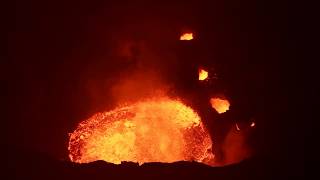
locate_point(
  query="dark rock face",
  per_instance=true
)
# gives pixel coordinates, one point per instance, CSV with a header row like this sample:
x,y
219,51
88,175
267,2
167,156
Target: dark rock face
x,y
37,166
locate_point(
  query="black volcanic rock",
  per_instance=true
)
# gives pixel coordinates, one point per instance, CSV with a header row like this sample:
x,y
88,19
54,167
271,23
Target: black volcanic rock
x,y
27,165
35,165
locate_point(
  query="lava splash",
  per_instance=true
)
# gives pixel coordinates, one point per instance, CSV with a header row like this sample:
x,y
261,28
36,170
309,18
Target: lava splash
x,y
155,130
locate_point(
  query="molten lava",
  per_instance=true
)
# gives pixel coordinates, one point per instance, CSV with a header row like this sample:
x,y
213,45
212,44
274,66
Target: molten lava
x,y
220,105
155,130
203,74
186,37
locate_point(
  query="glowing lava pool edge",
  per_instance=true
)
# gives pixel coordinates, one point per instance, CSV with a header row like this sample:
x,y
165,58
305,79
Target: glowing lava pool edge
x,y
154,130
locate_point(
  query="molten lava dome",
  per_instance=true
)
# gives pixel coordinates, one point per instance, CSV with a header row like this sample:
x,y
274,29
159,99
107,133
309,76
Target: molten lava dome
x,y
156,130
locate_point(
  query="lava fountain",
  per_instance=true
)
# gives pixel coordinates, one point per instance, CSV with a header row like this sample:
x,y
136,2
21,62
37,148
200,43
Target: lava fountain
x,y
154,130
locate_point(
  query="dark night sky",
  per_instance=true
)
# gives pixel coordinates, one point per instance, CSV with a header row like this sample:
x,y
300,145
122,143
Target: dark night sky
x,y
62,62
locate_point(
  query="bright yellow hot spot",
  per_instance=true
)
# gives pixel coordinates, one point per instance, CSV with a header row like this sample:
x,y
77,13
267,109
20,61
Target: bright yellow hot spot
x,y
203,74
186,37
220,105
156,130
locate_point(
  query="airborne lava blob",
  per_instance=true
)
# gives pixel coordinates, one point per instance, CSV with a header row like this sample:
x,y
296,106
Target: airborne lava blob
x,y
203,74
186,37
220,105
155,130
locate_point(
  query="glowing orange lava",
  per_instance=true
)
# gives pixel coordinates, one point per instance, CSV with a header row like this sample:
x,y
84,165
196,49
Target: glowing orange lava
x,y
155,130
186,37
220,105
203,74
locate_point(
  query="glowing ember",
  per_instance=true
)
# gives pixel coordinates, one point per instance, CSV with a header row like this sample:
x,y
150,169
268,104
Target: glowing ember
x,y
156,130
237,127
203,74
186,37
220,105
252,124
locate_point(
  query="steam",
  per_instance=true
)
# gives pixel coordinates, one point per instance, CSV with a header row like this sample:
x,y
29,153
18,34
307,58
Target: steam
x,y
133,68
144,79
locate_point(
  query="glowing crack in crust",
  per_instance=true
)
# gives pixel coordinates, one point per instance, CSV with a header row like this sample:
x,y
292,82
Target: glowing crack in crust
x,y
155,130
